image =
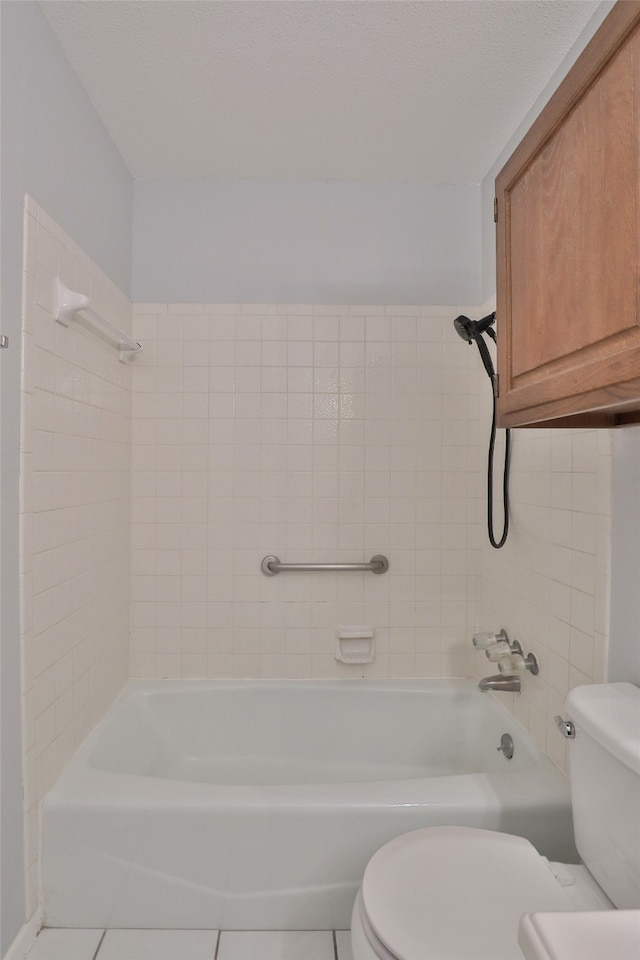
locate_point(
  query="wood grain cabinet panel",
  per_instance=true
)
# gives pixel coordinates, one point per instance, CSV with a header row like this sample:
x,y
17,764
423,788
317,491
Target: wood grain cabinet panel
x,y
568,244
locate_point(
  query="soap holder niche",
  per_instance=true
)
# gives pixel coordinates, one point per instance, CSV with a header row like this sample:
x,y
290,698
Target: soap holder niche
x,y
354,644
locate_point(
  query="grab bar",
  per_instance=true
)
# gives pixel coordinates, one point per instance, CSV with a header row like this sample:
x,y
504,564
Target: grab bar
x,y
69,302
272,565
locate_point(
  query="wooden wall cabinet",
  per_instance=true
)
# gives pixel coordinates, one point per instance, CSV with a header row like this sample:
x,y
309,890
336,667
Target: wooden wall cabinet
x,y
568,245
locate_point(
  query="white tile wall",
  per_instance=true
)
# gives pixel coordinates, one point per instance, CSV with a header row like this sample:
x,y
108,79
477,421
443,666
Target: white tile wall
x,y
74,514
310,431
549,585
314,433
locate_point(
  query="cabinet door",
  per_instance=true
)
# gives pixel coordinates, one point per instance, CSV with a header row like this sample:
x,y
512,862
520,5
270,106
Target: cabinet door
x,y
569,243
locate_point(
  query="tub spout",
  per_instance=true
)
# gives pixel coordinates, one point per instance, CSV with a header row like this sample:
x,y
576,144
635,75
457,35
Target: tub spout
x,y
500,682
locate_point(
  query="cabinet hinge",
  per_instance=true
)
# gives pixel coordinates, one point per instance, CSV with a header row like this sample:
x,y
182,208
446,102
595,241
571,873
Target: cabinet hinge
x,y
495,209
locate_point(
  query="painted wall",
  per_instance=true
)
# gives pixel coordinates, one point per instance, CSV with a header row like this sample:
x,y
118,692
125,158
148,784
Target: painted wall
x,y
313,432
54,147
322,242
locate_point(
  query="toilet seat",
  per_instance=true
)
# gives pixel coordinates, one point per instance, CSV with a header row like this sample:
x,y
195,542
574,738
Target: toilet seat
x,y
455,893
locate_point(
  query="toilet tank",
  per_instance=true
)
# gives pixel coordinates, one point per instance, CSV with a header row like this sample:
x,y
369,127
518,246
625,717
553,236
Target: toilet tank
x,y
604,769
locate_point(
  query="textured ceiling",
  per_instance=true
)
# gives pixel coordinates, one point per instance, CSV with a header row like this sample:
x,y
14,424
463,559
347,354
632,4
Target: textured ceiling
x,y
315,89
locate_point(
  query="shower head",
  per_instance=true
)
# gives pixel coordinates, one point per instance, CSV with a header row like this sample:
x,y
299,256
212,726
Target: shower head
x,y
463,327
471,330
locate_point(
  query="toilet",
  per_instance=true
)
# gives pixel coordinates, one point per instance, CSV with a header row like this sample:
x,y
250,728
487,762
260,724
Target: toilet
x,y
458,893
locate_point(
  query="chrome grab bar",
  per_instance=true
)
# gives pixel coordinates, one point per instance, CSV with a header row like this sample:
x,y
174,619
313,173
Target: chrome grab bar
x,y
272,565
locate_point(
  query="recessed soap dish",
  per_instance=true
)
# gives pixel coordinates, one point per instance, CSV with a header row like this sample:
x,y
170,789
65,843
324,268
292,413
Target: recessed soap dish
x,y
354,644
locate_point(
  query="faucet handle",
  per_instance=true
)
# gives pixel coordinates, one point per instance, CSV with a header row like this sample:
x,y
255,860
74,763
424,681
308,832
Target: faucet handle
x,y
510,664
516,663
498,651
487,638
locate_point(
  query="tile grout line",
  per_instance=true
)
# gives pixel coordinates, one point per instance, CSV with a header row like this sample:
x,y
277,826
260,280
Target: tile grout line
x,y
95,956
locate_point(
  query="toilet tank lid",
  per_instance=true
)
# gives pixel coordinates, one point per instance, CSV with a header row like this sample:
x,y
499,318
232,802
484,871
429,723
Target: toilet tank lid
x,y
610,714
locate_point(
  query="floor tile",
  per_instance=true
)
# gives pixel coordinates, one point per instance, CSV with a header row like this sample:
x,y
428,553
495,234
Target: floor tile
x,y
53,944
343,943
158,945
276,945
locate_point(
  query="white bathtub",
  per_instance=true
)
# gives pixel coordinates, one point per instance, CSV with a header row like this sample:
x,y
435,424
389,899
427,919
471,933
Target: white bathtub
x,y
257,804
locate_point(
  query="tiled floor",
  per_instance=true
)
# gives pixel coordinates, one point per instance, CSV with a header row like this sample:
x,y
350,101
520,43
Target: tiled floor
x,y
192,945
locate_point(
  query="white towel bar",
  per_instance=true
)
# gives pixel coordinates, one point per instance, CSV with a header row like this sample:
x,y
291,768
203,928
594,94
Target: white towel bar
x,y
68,302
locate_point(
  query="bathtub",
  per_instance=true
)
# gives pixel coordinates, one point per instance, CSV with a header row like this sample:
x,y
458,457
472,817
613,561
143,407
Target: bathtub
x,y
257,804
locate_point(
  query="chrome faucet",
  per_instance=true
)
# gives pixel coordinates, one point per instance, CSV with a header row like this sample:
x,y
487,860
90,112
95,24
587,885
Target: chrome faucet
x,y
509,657
500,681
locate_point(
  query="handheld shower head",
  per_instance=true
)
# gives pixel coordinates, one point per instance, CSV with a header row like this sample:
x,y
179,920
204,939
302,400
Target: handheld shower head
x,y
471,330
463,327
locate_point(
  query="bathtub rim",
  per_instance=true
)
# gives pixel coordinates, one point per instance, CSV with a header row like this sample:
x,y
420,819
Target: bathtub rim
x,y
84,785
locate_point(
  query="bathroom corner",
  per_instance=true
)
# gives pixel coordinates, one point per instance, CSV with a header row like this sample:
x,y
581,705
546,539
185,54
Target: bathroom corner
x,y
74,516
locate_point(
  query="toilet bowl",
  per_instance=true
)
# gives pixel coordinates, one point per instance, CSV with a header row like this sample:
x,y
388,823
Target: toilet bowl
x,y
458,893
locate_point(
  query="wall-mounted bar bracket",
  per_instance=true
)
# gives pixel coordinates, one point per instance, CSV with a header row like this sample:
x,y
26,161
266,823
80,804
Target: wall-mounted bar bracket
x,y
67,303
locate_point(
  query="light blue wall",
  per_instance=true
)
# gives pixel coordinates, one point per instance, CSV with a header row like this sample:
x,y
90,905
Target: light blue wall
x,y
54,147
303,242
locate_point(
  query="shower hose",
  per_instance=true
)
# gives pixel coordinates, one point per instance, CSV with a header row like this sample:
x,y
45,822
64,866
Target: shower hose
x,y
505,483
